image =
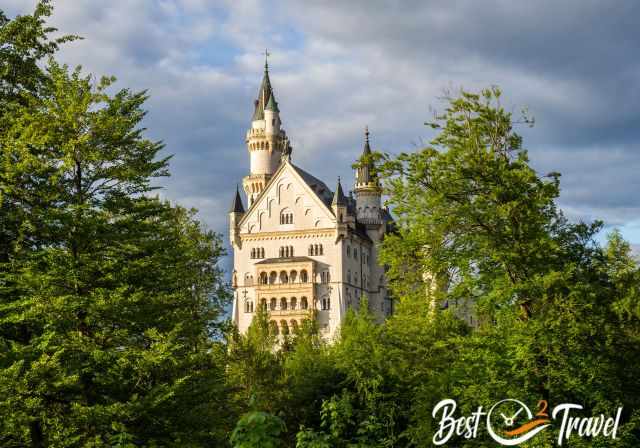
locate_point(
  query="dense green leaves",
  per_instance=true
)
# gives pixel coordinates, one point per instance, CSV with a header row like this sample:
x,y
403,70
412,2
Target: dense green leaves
x,y
109,297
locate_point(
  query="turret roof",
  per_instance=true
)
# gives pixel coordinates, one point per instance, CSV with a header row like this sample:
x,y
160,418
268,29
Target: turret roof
x,y
339,197
236,206
265,99
364,172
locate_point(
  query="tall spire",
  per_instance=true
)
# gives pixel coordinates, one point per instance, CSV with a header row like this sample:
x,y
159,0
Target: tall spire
x,y
367,148
364,173
265,99
236,206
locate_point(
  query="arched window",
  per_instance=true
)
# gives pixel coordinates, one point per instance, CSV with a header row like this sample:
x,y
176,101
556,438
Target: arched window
x,y
326,303
257,252
321,251
272,305
273,327
284,278
348,251
293,276
284,328
283,303
294,303
286,251
263,303
304,277
263,278
303,303
294,326
311,250
272,277
286,216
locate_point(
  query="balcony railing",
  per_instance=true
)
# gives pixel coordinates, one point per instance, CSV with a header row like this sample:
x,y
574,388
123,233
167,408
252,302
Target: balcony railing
x,y
290,313
281,286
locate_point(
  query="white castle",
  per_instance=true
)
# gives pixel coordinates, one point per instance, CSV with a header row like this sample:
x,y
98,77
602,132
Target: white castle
x,y
300,250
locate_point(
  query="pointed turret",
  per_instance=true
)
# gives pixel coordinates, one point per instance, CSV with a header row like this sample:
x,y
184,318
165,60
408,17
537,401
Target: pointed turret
x,y
364,176
235,216
368,191
266,140
236,206
265,94
338,197
272,104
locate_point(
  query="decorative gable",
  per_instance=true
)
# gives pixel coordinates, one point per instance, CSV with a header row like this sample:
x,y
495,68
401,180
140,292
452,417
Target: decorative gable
x,y
288,203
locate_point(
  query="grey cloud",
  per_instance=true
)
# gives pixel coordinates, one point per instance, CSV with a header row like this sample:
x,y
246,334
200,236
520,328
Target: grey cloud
x,y
377,63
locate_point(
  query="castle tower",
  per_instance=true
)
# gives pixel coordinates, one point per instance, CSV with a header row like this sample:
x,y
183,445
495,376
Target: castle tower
x,y
266,140
367,188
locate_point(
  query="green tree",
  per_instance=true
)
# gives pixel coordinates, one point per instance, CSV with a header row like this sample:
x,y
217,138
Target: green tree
x,y
556,309
109,298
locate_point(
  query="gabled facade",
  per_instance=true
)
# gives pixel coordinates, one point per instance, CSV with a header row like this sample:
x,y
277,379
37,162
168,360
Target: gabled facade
x,y
301,250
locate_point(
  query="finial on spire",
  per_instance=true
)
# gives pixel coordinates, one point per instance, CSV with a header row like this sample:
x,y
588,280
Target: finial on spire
x,y
367,148
266,59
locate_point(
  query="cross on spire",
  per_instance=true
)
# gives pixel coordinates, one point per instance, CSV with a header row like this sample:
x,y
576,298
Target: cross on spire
x,y
266,59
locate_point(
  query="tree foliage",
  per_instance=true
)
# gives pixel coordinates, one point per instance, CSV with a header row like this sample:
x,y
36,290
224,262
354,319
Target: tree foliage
x,y
109,297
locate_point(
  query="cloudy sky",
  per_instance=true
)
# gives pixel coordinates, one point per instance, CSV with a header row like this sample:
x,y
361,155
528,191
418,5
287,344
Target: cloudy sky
x,y
337,66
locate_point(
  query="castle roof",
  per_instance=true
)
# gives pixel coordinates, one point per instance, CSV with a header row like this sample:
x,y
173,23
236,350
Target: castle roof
x,y
364,172
339,197
236,206
265,99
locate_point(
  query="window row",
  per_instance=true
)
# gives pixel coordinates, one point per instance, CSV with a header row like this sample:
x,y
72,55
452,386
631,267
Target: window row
x,y
286,251
257,252
284,277
283,304
316,249
364,256
286,217
283,327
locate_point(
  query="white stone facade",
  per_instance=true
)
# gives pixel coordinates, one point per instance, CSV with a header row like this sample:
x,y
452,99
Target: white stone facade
x,y
301,250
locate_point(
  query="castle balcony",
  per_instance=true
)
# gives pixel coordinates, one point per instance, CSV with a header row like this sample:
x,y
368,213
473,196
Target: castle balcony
x,y
285,273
